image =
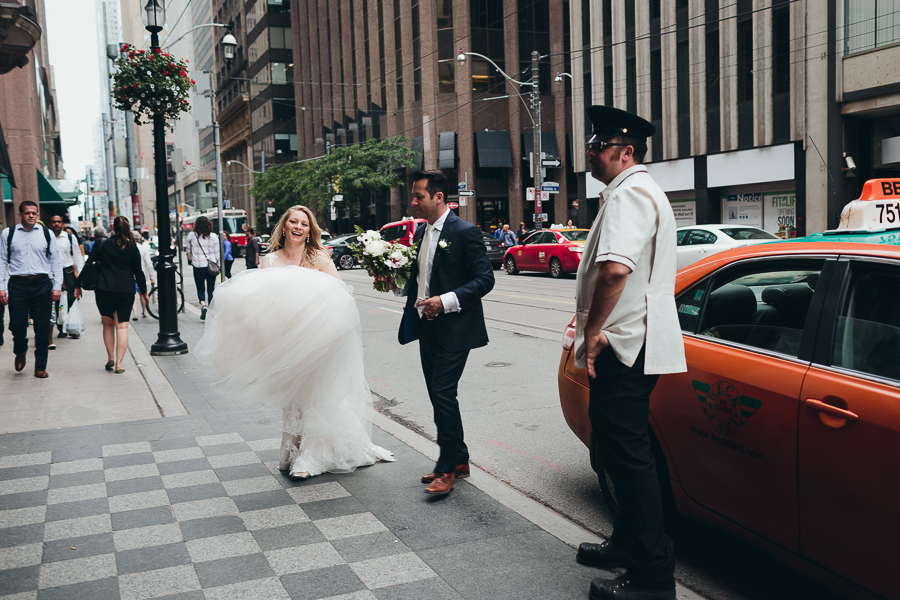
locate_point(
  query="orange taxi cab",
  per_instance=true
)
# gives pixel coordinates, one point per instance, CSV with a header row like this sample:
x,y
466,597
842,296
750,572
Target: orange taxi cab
x,y
554,251
785,430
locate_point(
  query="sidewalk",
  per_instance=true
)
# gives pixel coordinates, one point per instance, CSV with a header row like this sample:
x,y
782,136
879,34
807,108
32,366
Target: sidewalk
x,y
191,507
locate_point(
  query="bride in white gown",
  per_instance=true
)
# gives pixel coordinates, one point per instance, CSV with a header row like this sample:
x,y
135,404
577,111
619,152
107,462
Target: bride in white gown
x,y
289,335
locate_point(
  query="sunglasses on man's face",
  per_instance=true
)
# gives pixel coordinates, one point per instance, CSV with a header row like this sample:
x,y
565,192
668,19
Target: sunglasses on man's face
x,y
599,146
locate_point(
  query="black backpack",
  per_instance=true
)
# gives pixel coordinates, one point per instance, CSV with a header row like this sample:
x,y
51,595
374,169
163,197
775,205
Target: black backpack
x,y
12,231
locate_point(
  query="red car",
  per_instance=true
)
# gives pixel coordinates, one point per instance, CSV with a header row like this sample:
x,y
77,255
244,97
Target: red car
x,y
401,232
554,251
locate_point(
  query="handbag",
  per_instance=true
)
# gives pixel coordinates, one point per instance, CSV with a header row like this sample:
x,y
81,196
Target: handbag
x,y
89,277
212,265
75,319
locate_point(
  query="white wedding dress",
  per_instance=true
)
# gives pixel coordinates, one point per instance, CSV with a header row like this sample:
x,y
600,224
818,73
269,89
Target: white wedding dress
x,y
290,337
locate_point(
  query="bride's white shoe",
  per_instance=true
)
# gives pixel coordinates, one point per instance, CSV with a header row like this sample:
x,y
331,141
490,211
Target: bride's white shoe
x,y
300,475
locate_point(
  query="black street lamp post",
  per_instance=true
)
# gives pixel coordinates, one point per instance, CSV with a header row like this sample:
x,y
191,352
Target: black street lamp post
x,y
169,340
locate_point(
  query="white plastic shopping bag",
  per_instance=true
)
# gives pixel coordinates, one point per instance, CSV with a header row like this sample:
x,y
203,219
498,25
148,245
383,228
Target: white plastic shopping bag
x,y
75,319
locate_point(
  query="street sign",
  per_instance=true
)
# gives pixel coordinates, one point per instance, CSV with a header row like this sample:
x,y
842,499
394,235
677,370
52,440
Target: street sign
x,y
464,193
337,197
270,209
452,205
461,185
463,202
551,162
529,193
574,203
545,196
540,216
550,186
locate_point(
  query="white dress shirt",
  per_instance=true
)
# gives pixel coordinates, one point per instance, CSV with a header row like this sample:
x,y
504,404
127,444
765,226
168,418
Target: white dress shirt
x,y
29,256
449,299
635,227
67,245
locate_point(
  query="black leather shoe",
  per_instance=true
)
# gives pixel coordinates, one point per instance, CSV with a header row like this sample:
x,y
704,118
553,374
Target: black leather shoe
x,y
621,588
603,555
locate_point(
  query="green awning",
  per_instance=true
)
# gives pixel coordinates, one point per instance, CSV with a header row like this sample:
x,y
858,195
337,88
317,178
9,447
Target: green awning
x,y
7,190
49,194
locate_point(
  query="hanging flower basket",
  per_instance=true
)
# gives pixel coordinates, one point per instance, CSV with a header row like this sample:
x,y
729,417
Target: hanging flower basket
x,y
151,83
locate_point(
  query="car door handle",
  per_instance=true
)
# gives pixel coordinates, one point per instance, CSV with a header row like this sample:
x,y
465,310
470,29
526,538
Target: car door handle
x,y
834,411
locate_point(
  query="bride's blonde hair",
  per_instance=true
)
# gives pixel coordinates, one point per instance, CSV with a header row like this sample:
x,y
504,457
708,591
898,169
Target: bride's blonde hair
x,y
314,241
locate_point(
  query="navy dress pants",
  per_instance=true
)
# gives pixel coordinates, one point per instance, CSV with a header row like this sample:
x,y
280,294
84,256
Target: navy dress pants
x,y
619,413
31,296
443,370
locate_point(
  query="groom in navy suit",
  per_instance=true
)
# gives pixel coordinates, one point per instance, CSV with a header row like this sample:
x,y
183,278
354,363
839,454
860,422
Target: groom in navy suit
x,y
443,311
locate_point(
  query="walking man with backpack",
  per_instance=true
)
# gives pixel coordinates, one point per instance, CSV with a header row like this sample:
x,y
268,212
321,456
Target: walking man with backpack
x,y
30,281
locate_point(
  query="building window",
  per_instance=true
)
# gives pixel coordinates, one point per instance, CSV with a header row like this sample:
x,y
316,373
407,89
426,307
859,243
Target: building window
x,y
487,39
871,24
280,37
745,73
656,81
567,49
781,72
534,34
282,73
607,54
278,5
398,53
285,143
446,56
586,62
417,53
713,128
683,78
283,109
630,60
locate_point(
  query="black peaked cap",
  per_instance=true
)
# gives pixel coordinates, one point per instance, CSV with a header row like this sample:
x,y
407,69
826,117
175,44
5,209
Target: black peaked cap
x,y
609,122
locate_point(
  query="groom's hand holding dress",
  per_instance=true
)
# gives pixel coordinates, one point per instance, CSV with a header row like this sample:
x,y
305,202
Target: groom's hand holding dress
x,y
443,311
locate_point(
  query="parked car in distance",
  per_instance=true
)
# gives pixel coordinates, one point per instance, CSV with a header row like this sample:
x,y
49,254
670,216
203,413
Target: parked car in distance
x,y
495,249
786,422
696,242
326,236
402,232
263,240
554,251
340,248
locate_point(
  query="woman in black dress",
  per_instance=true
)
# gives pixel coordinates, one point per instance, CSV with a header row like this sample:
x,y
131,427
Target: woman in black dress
x,y
120,268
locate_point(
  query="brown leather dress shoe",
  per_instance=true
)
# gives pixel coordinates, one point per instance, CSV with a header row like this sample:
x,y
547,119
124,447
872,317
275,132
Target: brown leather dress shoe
x,y
41,374
461,471
442,485
20,361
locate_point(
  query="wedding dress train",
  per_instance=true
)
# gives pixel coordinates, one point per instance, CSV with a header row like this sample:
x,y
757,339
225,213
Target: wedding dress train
x,y
290,338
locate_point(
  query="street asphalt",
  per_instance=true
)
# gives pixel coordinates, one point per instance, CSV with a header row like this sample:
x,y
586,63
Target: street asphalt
x,y
150,484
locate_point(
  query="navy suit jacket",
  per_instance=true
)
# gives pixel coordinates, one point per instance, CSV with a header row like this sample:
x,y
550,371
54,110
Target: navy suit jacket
x,y
463,268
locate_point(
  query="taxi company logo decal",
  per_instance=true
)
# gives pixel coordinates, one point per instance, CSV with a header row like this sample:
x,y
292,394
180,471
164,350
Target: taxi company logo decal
x,y
725,408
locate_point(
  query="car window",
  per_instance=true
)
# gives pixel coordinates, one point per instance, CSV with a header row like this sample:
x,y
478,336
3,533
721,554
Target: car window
x,y
747,233
761,305
867,336
575,235
548,238
683,236
689,303
699,237
533,239
389,234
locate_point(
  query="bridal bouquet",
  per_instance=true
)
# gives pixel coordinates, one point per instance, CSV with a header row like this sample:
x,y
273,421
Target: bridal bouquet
x,y
379,257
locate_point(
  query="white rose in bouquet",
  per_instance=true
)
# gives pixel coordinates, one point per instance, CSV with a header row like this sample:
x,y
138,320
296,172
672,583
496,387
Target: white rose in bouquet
x,y
396,259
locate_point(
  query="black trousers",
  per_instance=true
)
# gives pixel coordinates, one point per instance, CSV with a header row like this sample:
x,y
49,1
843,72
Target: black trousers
x,y
443,370
228,264
2,320
202,278
31,296
69,283
619,413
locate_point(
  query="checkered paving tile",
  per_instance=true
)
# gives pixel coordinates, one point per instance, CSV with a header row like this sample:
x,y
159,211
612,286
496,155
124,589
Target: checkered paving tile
x,y
200,517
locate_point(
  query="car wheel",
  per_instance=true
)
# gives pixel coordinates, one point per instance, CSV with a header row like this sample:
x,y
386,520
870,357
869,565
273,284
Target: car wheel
x,y
556,269
511,266
346,261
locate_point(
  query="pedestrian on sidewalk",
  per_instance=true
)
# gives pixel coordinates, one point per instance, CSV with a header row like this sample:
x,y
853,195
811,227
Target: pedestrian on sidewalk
x,y
202,247
252,250
72,263
291,337
120,269
229,257
146,251
30,281
99,234
627,334
507,237
522,233
444,312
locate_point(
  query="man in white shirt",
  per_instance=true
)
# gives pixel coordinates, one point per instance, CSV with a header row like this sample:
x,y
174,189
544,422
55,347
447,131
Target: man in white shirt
x,y
627,334
72,262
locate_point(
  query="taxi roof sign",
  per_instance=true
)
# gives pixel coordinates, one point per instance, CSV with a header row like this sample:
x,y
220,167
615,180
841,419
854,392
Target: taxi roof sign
x,y
877,209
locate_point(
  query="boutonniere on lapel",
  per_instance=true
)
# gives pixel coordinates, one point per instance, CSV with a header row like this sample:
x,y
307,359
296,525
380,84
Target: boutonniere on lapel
x,y
444,245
